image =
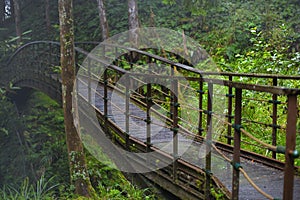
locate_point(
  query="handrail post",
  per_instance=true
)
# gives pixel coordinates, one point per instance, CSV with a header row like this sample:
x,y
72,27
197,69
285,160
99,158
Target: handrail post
x,y
76,77
175,105
32,50
117,62
200,128
148,120
127,99
274,119
131,55
53,59
208,142
229,114
23,61
290,147
148,124
105,98
49,60
89,81
57,57
237,144
171,94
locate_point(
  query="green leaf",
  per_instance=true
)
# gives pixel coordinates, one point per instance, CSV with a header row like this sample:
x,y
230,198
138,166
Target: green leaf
x,y
4,130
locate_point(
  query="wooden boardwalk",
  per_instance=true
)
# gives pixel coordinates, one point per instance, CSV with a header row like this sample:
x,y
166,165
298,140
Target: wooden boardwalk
x,y
189,177
270,180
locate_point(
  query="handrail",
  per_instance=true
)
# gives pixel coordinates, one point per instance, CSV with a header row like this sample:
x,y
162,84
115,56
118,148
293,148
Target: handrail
x,y
260,88
182,66
29,44
271,89
191,69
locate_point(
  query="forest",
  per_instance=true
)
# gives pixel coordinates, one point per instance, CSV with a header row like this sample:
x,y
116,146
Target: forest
x,y
258,36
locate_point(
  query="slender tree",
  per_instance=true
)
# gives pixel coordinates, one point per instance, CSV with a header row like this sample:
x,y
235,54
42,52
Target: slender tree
x,y
17,15
11,8
47,15
2,11
103,20
133,22
78,170
133,19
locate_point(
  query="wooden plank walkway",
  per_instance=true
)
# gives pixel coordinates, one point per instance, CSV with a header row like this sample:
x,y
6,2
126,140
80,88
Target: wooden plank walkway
x,y
270,180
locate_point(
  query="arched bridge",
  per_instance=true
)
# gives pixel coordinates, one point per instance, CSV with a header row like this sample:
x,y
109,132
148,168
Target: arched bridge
x,y
197,134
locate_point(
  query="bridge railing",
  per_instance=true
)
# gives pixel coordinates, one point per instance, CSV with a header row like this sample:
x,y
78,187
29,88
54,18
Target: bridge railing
x,y
237,96
267,79
35,64
221,98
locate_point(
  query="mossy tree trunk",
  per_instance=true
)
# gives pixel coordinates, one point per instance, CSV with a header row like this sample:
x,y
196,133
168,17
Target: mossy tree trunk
x,y
78,171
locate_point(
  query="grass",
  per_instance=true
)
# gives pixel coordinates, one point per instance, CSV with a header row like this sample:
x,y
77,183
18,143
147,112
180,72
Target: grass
x,y
43,189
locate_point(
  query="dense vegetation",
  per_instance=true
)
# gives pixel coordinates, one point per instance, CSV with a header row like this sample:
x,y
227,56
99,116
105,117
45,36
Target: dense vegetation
x,y
34,159
242,36
245,36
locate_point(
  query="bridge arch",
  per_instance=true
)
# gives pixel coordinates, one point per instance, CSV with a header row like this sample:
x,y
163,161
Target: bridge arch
x,y
33,65
51,90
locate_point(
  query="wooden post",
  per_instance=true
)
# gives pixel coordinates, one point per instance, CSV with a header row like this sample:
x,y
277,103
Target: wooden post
x,y
89,82
208,141
229,114
274,119
148,120
127,99
175,106
200,128
290,147
237,144
105,98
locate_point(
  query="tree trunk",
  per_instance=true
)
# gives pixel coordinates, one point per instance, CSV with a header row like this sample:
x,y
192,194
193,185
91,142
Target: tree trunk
x,y
78,170
2,11
133,19
17,14
11,8
133,22
103,20
47,15
152,20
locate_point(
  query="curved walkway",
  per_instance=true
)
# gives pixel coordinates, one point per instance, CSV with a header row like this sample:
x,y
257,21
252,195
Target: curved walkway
x,y
270,180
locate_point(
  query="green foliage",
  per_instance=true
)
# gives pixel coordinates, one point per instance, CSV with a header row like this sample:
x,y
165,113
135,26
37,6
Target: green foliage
x,y
43,189
111,183
45,137
45,156
196,7
218,195
9,45
86,24
10,137
267,55
35,149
